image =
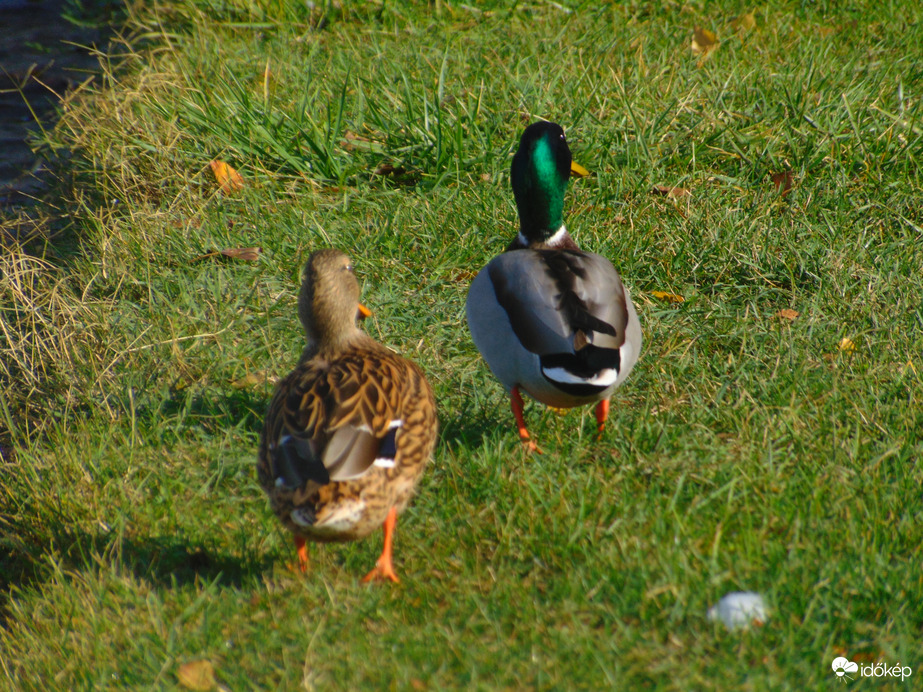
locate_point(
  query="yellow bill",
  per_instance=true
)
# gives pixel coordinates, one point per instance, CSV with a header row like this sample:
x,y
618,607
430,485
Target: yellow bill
x,y
578,171
364,312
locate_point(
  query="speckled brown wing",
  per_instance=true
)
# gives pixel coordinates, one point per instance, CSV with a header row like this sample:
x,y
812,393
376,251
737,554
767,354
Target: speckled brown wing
x,y
345,440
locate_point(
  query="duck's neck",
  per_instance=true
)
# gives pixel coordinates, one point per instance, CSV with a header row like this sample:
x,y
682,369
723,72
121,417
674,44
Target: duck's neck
x,y
559,240
331,337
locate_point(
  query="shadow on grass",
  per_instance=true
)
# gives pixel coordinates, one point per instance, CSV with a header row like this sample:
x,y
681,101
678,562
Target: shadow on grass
x,y
210,409
470,429
164,561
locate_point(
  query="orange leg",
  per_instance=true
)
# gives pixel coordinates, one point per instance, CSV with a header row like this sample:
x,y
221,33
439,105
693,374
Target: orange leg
x,y
602,412
301,547
384,568
516,404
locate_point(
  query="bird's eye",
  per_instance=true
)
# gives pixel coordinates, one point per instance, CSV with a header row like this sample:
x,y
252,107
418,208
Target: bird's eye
x,y
348,267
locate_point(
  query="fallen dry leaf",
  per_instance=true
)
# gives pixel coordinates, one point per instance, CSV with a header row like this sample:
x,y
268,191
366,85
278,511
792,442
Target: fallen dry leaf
x,y
703,41
351,141
228,179
464,275
667,191
787,314
745,22
197,675
350,136
388,169
783,182
847,345
249,254
867,657
668,297
254,379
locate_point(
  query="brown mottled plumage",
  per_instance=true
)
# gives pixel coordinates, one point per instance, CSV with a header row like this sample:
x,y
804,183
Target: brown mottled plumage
x,y
350,429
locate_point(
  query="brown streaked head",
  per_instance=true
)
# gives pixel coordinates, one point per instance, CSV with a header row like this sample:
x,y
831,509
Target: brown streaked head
x,y
328,303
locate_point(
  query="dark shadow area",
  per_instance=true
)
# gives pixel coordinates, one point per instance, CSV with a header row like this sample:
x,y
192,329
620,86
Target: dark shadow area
x,y
162,560
213,408
165,561
469,427
46,49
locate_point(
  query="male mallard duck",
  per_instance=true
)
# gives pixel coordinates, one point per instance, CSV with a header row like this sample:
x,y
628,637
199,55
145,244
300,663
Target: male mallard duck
x,y
350,429
550,319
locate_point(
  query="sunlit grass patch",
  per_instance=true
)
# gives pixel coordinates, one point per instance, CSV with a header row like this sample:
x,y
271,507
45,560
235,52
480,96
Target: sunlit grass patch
x,y
748,450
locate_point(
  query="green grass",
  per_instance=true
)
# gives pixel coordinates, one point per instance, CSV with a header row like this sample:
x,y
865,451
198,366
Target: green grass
x,y
746,451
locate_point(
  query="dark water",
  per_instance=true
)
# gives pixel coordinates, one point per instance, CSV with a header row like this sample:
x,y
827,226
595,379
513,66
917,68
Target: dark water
x,y
42,56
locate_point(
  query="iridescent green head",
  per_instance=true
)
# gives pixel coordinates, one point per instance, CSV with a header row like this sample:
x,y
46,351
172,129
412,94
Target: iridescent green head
x,y
540,171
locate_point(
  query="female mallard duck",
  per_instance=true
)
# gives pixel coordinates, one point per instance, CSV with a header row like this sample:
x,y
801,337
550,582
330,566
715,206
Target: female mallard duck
x,y
350,429
550,319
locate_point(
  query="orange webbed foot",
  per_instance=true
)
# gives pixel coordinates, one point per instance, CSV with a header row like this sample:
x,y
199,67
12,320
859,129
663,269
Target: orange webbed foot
x,y
301,549
383,571
516,404
529,445
602,412
384,568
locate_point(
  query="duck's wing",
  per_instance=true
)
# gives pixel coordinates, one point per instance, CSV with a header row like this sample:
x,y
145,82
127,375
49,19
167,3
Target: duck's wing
x,y
334,421
571,309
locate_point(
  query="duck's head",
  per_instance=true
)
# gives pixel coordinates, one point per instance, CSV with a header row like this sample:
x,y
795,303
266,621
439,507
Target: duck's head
x,y
539,174
328,304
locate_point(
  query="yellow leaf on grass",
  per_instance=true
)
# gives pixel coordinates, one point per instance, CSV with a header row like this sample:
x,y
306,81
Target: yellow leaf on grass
x,y
847,345
197,675
667,191
668,297
787,314
260,378
703,41
745,22
250,254
228,179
